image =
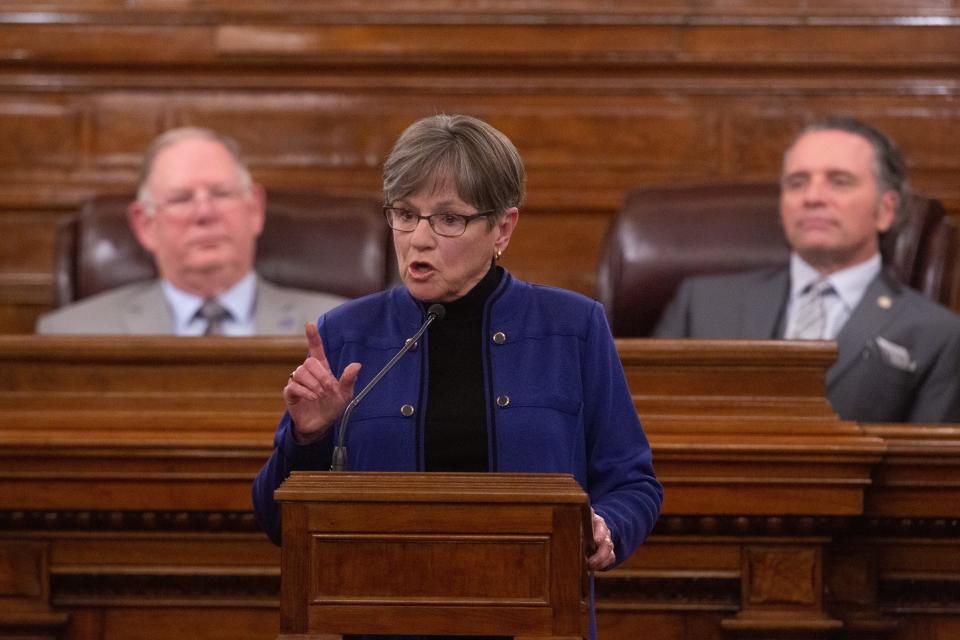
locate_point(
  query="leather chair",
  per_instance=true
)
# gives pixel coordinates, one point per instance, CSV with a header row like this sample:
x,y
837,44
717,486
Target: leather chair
x,y
663,235
311,240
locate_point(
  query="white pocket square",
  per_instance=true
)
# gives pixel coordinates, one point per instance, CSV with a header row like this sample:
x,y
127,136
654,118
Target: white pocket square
x,y
895,355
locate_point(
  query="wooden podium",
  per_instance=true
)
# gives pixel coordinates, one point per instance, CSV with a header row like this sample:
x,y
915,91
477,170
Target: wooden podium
x,y
435,554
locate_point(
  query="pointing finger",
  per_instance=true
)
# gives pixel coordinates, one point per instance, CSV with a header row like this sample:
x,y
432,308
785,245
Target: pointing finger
x,y
315,344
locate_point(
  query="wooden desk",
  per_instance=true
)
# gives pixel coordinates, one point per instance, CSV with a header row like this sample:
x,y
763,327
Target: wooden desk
x,y
125,496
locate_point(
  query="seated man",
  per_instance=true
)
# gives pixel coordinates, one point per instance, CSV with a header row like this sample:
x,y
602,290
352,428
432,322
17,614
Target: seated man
x,y
199,214
842,185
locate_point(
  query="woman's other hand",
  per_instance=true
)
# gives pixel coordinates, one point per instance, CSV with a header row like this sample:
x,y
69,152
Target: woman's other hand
x,y
604,556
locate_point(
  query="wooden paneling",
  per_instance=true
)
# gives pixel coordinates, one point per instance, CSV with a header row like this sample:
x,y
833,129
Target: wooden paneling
x,y
39,131
454,554
25,247
145,623
598,96
125,470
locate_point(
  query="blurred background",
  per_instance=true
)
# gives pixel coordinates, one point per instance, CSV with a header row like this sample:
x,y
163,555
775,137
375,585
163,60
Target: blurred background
x,y
599,96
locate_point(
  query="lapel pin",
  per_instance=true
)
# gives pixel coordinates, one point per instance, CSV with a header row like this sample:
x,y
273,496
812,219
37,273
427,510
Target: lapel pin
x,y
884,302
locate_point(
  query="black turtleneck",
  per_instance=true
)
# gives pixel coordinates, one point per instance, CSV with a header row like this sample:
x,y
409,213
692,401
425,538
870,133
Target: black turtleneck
x,y
455,429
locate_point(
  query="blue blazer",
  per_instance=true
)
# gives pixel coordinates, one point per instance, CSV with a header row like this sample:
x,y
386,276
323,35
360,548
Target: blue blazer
x,y
557,401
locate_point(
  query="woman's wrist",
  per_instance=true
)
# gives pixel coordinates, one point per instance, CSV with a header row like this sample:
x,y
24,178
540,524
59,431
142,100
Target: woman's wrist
x,y
304,440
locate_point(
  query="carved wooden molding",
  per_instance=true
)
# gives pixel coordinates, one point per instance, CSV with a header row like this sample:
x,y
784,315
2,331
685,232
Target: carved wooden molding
x,y
128,521
692,526
782,576
702,592
104,588
25,591
662,12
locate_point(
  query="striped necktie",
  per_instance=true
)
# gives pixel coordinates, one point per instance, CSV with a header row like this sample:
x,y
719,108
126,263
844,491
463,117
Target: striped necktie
x,y
215,315
810,318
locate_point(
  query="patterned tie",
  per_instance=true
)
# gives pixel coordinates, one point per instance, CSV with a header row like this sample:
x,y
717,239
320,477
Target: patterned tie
x,y
810,320
215,315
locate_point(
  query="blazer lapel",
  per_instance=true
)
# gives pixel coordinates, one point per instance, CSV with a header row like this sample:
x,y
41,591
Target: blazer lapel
x,y
274,312
147,313
763,305
879,306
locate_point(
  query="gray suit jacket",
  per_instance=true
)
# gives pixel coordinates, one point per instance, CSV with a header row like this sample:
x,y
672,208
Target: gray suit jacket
x,y
898,356
142,309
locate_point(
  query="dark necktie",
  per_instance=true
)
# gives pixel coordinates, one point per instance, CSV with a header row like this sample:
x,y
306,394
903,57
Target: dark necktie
x,y
215,315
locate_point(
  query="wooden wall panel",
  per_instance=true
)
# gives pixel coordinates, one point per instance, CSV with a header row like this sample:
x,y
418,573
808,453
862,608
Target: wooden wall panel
x,y
145,623
599,97
26,259
616,625
304,129
945,628
38,131
25,247
122,124
833,44
626,9
557,240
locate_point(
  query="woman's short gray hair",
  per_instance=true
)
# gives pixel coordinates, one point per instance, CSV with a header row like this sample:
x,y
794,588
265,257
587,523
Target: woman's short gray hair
x,y
478,161
173,136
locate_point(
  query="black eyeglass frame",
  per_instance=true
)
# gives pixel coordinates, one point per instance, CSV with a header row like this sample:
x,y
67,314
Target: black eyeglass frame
x,y
467,219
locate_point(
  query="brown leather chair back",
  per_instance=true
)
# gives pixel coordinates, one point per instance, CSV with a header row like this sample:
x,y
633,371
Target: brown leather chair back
x,y
663,235
311,240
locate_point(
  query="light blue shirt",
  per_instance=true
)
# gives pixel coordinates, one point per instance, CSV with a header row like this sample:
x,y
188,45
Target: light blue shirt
x,y
239,300
849,286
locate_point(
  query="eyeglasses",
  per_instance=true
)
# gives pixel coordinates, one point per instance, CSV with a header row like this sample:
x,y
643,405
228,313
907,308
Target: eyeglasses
x,y
450,225
181,204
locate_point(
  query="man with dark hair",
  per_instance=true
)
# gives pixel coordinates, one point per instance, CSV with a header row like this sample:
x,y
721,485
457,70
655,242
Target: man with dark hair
x,y
199,213
842,186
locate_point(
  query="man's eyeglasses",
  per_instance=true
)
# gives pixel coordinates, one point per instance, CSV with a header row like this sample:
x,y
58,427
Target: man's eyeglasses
x,y
450,225
181,204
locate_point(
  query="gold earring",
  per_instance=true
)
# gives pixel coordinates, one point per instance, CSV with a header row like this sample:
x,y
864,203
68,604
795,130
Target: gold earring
x,y
499,253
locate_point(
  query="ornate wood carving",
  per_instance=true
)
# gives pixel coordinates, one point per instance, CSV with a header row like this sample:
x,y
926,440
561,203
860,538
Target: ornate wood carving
x,y
782,576
130,460
25,592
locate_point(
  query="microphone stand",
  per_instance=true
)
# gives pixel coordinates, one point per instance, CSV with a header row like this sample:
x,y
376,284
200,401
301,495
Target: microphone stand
x,y
339,461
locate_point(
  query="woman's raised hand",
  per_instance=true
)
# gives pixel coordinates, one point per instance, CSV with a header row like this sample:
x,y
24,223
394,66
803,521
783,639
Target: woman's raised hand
x,y
314,396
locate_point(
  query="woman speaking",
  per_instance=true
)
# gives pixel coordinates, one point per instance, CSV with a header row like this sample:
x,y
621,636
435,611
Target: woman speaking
x,y
515,377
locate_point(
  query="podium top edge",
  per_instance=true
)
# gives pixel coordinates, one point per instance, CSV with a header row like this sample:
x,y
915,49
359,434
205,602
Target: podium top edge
x,y
430,487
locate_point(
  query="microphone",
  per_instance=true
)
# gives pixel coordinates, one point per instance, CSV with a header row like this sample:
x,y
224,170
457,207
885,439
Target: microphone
x,y
435,312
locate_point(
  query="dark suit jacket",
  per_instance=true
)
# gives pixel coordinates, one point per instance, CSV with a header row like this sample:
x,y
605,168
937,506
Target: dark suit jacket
x,y
870,381
141,309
